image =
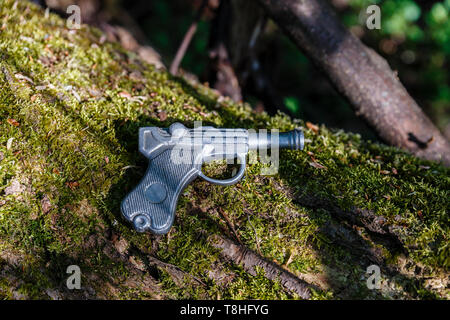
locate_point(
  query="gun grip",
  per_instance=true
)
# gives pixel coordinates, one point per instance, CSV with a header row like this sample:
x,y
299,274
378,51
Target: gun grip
x,y
151,205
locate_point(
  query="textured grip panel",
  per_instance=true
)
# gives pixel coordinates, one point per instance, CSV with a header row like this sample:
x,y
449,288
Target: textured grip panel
x,y
151,205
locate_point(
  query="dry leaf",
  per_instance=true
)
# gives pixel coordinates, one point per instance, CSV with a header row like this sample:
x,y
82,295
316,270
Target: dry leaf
x,y
312,127
313,158
317,165
72,184
20,76
46,204
162,116
13,122
384,172
124,94
394,171
93,92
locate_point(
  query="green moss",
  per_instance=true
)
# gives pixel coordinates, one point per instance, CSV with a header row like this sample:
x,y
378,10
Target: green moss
x,y
77,106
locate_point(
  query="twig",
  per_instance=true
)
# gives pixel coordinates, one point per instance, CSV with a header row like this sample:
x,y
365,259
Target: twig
x,y
187,40
256,235
249,260
166,265
230,225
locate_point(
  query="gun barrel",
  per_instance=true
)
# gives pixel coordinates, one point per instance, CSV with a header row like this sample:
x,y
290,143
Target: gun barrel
x,y
293,140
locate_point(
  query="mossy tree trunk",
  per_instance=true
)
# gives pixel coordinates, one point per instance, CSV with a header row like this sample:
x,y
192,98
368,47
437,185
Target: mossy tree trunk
x,y
70,109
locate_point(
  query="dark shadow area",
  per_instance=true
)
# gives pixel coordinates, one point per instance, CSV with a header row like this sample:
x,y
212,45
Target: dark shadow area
x,y
50,281
413,138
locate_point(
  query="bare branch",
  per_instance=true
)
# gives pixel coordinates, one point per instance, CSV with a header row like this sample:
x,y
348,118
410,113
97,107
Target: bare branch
x,y
187,40
361,75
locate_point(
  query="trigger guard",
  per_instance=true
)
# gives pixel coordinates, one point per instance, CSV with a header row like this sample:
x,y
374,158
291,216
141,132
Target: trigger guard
x,y
230,181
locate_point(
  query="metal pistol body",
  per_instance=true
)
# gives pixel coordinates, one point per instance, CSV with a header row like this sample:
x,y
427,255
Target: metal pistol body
x,y
176,155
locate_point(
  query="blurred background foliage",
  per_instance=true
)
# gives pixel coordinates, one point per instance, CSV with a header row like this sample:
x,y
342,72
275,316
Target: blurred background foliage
x,y
414,38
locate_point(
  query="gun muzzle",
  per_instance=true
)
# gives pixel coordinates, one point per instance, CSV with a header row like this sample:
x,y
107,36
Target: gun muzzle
x,y
293,140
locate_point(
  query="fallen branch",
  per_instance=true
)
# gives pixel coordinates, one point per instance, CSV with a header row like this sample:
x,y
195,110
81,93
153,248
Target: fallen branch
x,y
229,224
361,75
173,270
249,260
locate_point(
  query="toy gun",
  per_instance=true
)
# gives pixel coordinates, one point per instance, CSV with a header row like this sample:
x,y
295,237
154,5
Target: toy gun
x,y
176,156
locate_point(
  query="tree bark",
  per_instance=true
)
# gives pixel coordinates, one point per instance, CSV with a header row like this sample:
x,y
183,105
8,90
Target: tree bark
x,y
249,260
361,75
220,72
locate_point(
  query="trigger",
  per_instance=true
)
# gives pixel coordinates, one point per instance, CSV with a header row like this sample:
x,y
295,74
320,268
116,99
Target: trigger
x,y
232,180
